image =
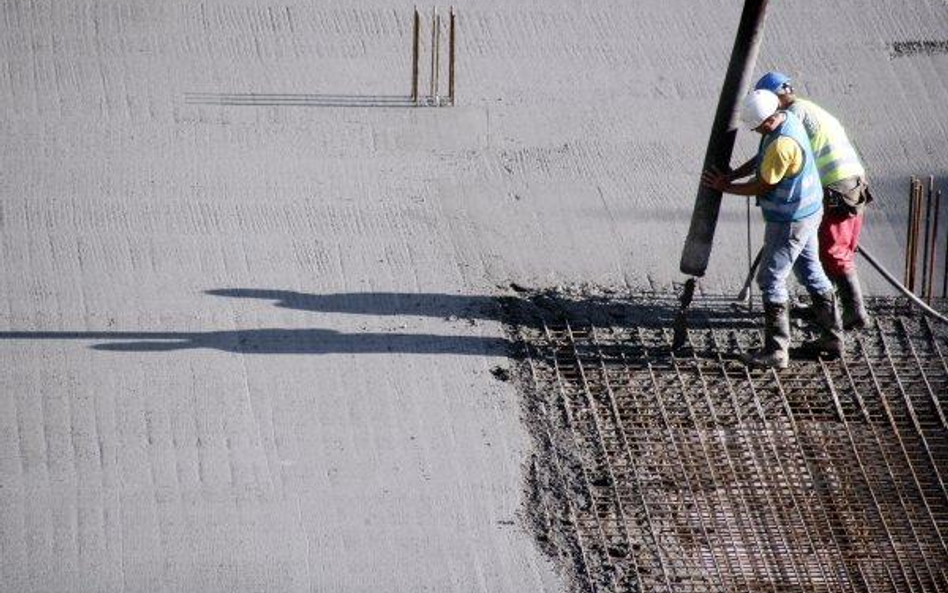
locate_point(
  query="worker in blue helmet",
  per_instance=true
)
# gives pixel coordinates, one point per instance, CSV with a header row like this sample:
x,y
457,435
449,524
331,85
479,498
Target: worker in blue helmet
x,y
775,82
845,194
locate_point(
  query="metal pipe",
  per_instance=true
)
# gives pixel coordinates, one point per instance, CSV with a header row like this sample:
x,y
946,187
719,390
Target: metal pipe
x,y
451,55
415,53
908,232
915,222
926,247
437,61
433,80
746,289
704,218
933,248
944,276
919,238
750,262
914,235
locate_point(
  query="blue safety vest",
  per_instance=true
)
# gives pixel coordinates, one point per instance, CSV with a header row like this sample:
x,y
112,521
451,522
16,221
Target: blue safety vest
x,y
798,196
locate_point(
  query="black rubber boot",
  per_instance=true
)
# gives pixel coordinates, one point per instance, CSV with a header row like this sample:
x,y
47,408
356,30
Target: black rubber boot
x,y
855,315
776,351
801,311
826,317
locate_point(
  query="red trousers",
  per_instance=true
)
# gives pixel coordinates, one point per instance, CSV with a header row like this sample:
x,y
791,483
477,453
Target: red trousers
x,y
838,237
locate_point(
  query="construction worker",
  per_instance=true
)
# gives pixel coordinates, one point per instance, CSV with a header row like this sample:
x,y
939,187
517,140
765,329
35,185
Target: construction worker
x,y
845,194
787,185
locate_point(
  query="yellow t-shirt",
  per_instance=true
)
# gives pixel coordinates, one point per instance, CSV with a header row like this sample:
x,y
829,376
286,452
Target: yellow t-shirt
x,y
783,158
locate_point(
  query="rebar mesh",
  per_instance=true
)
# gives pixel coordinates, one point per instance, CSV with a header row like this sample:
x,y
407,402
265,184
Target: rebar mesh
x,y
692,473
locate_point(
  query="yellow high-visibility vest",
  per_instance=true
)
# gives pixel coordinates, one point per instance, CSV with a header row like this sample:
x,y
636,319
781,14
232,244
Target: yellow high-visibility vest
x,y
836,158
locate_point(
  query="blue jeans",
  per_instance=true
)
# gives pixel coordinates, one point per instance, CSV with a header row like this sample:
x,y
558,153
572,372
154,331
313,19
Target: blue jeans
x,y
791,245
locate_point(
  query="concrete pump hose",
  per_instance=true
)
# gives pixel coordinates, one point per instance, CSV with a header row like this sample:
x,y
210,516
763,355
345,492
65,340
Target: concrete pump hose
x,y
885,274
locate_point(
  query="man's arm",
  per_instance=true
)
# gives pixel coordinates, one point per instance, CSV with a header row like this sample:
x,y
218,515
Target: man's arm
x,y
720,182
724,182
744,170
784,156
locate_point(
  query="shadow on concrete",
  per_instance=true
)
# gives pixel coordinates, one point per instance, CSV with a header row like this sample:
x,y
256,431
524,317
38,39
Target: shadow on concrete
x,y
277,341
297,100
377,303
520,307
524,309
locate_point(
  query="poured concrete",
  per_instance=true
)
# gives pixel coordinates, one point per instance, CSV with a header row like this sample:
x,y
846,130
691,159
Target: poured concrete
x,y
191,395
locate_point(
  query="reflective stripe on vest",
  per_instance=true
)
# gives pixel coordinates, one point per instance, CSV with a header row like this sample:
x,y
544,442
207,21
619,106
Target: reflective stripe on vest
x,y
795,197
836,157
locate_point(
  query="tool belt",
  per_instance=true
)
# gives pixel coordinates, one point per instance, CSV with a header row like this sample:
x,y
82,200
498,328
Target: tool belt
x,y
847,198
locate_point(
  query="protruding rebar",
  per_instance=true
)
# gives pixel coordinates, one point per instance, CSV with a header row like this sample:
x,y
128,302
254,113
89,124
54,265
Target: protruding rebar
x,y
415,54
750,262
452,54
916,222
933,248
944,276
917,232
435,46
927,237
908,232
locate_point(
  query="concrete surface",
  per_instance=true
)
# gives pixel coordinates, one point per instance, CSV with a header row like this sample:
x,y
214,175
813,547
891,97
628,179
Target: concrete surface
x,y
188,398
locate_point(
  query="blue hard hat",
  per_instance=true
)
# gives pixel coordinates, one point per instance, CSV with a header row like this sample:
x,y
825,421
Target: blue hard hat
x,y
774,82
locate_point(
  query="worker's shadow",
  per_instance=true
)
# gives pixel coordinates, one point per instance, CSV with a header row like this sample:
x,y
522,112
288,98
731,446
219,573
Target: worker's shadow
x,y
276,341
314,340
525,310
520,306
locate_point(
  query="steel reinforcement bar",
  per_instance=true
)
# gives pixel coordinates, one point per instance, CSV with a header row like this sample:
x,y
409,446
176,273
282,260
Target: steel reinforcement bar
x,y
693,473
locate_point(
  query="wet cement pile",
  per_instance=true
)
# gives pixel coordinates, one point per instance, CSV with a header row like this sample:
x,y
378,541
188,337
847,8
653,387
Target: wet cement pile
x,y
685,471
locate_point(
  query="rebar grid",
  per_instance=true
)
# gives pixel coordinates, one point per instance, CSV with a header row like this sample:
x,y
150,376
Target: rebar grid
x,y
693,473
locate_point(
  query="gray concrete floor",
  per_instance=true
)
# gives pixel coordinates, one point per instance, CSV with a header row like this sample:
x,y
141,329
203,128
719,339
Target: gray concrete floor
x,y
190,400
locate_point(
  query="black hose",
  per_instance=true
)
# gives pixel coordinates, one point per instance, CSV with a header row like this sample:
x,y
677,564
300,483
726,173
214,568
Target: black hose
x,y
898,285
704,218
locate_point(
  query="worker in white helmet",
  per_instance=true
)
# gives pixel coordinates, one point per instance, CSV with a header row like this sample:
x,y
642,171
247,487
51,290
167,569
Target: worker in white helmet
x,y
845,194
787,186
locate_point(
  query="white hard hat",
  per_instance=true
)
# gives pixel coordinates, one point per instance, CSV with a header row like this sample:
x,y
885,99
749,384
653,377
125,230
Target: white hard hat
x,y
758,106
